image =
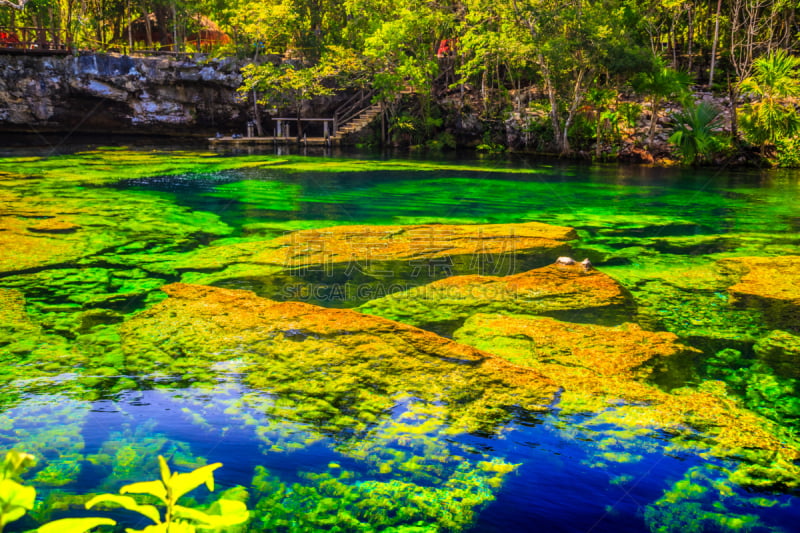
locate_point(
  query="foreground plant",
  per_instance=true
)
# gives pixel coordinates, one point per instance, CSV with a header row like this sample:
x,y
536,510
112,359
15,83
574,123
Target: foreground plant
x,y
169,489
17,499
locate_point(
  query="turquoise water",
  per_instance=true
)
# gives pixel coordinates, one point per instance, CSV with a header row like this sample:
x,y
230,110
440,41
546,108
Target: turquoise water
x,y
96,419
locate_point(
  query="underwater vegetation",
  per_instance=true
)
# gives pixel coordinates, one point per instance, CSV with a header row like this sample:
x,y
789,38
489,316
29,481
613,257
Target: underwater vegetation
x,y
16,499
387,345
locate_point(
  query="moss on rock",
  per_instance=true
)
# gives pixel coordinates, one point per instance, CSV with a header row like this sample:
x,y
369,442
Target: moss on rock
x,y
337,368
770,284
373,260
624,351
560,290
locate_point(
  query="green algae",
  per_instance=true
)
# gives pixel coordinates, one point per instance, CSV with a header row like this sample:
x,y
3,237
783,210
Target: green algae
x,y
703,500
104,166
72,310
766,381
261,194
351,503
50,430
581,295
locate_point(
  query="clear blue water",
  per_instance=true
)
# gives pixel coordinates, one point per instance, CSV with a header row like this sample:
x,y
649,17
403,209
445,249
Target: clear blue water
x,y
571,475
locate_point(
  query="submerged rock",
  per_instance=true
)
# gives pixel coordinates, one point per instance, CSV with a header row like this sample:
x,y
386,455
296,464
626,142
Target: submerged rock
x,y
370,261
26,350
623,351
601,374
769,284
781,352
559,289
336,368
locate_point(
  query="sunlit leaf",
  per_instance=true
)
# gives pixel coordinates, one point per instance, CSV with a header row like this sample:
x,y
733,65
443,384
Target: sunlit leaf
x,y
182,483
154,488
164,468
13,494
158,528
75,525
192,514
128,503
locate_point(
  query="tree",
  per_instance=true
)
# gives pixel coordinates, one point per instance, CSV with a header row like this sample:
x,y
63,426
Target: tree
x,y
661,83
772,115
20,4
598,100
289,85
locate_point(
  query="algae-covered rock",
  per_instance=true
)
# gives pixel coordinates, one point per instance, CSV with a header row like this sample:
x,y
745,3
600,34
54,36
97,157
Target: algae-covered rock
x,y
364,262
26,350
687,296
622,351
336,367
601,371
771,284
13,319
781,352
556,290
45,226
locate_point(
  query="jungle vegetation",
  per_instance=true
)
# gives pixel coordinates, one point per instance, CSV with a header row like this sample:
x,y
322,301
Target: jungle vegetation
x,y
573,73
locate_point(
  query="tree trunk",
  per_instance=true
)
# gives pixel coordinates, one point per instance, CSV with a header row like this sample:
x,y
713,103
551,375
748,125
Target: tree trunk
x,y
733,93
175,43
690,38
147,28
714,45
653,121
597,136
257,115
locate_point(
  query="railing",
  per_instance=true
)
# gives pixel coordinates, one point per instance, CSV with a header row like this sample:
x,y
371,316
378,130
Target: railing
x,y
283,125
23,37
353,107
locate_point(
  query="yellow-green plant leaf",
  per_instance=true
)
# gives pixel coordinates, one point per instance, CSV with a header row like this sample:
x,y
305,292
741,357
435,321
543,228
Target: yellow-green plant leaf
x,y
158,528
180,484
14,513
154,488
164,467
224,513
17,462
182,527
194,515
174,527
128,503
74,525
15,496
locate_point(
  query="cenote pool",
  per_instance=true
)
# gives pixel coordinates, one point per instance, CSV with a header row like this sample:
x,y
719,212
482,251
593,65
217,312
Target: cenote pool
x,y
389,344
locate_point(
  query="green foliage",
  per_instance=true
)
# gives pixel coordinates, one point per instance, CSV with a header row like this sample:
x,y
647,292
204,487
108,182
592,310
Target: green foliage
x,y
788,152
659,84
772,115
75,525
15,498
291,84
489,146
169,489
694,133
630,111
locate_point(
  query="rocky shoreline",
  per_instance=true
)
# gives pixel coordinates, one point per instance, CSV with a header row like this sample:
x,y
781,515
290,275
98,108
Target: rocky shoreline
x,y
194,98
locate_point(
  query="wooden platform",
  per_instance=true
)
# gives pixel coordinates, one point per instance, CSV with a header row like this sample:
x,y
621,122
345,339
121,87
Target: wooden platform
x,y
309,141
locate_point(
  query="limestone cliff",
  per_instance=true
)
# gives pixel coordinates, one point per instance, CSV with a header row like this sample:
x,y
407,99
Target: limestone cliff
x,y
120,94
